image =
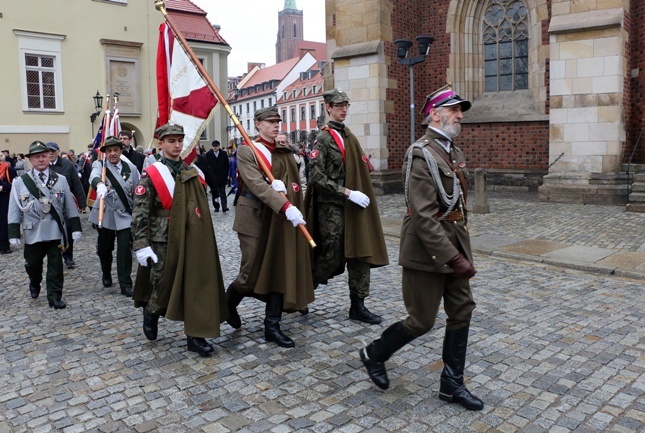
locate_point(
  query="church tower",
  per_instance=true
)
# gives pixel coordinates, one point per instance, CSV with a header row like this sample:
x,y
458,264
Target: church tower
x,y
289,32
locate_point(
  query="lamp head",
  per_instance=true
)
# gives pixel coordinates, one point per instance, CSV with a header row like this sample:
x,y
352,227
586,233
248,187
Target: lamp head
x,y
402,47
98,102
424,44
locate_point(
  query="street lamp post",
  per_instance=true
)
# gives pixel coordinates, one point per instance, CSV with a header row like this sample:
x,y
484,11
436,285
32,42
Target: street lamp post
x,y
402,50
98,106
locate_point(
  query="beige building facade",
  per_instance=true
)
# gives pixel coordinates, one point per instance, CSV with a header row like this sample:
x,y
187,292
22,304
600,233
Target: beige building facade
x,y
56,58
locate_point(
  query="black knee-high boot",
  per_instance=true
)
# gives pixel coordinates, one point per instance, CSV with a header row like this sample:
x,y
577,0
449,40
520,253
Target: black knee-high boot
x,y
106,270
233,298
381,349
272,321
452,387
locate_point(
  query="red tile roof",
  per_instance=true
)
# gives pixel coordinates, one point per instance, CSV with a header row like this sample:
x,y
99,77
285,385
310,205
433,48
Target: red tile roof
x,y
275,72
317,49
192,22
298,85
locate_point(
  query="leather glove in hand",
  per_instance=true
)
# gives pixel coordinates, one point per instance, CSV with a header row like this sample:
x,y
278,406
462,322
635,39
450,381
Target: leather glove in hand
x,y
293,214
76,236
144,254
101,191
359,198
462,267
15,242
278,186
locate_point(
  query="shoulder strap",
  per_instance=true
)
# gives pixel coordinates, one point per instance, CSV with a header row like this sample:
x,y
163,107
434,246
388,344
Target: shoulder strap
x,y
339,141
163,181
33,190
119,190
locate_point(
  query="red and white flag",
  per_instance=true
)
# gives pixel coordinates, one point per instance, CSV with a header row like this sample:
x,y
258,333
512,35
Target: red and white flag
x,y
184,97
115,124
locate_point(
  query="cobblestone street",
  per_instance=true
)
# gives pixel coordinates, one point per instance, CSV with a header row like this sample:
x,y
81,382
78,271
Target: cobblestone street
x,y
551,349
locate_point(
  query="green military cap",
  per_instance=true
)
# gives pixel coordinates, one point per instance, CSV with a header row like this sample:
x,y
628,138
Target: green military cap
x,y
335,96
169,129
268,113
111,141
37,147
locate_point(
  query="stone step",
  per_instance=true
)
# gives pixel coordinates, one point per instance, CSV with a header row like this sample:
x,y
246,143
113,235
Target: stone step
x,y
633,168
637,197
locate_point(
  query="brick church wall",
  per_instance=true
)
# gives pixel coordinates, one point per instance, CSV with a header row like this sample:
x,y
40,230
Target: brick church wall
x,y
505,146
635,101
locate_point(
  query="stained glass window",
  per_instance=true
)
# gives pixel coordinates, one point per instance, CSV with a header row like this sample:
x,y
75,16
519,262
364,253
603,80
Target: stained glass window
x,y
506,46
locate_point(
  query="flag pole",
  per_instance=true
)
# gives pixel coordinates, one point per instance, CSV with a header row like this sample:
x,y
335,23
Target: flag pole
x,y
161,7
106,127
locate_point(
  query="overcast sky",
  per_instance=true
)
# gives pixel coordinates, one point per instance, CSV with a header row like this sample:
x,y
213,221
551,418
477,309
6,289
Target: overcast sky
x,y
251,26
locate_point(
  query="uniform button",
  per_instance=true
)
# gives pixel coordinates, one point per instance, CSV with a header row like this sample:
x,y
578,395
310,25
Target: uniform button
x,y
434,257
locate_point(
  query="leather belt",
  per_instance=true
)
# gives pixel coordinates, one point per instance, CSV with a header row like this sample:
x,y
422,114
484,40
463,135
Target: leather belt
x,y
451,217
161,213
249,194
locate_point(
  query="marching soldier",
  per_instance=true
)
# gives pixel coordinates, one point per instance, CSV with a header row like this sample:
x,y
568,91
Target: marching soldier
x,y
435,250
118,200
276,264
342,206
179,275
41,201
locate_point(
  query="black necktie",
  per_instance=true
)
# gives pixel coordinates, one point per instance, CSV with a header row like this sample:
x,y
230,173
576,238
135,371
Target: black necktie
x,y
41,175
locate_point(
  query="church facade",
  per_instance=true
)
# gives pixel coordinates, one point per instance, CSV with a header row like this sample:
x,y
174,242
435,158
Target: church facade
x,y
558,86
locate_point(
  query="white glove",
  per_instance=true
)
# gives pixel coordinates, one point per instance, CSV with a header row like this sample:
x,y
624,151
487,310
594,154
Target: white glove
x,y
359,198
144,254
293,214
101,191
278,186
76,236
15,242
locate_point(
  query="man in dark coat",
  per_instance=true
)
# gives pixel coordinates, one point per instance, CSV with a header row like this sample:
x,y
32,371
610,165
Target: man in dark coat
x,y
276,264
435,250
218,162
341,205
68,169
7,176
179,275
137,158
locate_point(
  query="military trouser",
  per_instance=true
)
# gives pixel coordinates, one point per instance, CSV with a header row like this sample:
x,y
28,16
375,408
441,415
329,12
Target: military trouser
x,y
105,247
422,294
34,255
156,277
331,258
68,254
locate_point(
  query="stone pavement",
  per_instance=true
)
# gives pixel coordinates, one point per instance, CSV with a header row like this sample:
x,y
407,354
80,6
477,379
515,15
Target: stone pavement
x,y
600,239
552,349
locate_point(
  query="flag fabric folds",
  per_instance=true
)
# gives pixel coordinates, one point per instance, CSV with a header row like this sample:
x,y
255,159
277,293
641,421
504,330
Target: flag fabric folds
x,y
184,97
115,124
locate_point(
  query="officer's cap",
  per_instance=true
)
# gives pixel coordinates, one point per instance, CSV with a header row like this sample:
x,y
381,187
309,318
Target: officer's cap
x,y
169,129
335,96
268,113
111,141
444,97
37,147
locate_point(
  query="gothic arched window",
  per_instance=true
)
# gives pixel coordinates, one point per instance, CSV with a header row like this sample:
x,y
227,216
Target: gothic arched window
x,y
506,46
295,29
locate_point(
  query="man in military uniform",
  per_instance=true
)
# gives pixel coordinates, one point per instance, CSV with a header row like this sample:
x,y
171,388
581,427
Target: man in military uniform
x,y
435,250
42,202
66,168
276,264
342,205
179,275
117,192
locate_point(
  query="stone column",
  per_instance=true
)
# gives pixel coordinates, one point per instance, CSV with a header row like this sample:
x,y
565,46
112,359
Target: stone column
x,y
587,129
356,44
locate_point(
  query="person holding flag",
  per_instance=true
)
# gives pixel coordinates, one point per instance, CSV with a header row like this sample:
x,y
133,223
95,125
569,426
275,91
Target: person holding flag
x,y
276,265
117,193
179,276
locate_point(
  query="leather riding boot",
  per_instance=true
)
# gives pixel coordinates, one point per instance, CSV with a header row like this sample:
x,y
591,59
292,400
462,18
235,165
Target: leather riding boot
x,y
272,330
452,387
380,350
359,312
150,322
106,269
233,298
199,345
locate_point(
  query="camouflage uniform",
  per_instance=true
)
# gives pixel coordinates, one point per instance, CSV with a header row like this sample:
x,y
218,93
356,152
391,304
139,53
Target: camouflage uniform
x,y
150,228
327,173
